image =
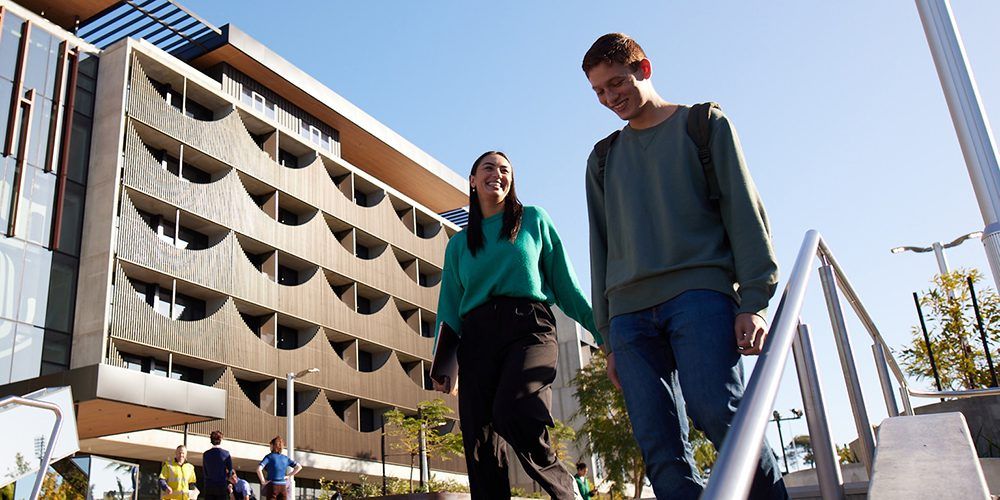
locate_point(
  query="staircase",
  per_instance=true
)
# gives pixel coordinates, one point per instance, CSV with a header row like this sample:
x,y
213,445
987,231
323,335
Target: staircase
x,y
913,457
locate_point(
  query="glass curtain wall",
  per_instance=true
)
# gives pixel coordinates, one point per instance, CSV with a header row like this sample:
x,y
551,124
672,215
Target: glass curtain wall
x,y
47,90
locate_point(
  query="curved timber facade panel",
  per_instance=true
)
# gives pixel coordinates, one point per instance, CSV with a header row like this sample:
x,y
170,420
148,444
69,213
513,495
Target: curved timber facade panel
x,y
228,140
226,202
313,301
317,428
224,338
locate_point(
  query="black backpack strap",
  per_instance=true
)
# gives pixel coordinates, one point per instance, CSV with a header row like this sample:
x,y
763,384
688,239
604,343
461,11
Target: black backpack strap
x,y
602,149
700,133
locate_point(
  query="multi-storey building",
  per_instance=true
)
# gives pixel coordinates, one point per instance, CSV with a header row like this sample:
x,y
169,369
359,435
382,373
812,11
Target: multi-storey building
x,y
189,218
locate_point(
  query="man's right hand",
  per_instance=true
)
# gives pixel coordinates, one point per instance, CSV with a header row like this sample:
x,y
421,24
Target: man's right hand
x,y
613,372
169,490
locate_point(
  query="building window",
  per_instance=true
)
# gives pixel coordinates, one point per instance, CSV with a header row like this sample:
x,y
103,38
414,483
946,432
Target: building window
x,y
257,102
288,217
195,110
368,420
153,366
287,276
288,338
362,251
287,159
187,308
364,305
316,136
365,361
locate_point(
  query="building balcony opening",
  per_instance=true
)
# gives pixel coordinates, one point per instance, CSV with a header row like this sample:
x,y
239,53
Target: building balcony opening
x,y
160,364
367,246
371,357
366,193
302,399
427,226
175,230
370,300
428,276
171,298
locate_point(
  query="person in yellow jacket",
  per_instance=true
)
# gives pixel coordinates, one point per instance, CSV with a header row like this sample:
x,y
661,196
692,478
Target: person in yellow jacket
x,y
177,478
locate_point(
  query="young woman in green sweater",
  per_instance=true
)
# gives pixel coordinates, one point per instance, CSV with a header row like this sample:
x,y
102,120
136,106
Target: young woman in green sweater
x,y
501,273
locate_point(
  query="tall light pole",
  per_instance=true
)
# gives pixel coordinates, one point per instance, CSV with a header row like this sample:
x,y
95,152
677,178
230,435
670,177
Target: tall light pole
x,y
967,114
938,248
290,419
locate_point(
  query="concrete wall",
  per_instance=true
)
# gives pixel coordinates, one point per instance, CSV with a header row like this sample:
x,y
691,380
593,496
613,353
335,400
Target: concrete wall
x,y
981,414
100,215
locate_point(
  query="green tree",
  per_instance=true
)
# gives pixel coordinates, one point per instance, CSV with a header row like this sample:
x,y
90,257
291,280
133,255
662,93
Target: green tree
x,y
846,455
703,450
954,335
559,437
606,427
431,415
800,447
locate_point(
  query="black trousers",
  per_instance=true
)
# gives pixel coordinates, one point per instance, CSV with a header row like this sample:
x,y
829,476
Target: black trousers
x,y
506,364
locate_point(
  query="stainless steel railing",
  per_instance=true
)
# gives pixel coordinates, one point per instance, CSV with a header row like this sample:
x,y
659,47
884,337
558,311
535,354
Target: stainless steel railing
x,y
47,457
734,469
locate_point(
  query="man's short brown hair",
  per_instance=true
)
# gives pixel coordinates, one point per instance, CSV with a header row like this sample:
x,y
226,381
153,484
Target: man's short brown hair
x,y
613,48
215,437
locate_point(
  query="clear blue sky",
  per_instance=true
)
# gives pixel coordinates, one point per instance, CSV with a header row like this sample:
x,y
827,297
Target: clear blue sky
x,y
838,106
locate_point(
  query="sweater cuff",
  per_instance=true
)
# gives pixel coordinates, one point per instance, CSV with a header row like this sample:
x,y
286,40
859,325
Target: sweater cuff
x,y
753,300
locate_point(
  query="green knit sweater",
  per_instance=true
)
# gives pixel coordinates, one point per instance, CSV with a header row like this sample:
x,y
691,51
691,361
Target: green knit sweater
x,y
655,234
535,266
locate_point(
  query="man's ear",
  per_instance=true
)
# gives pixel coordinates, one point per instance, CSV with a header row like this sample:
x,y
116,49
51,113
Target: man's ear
x,y
645,69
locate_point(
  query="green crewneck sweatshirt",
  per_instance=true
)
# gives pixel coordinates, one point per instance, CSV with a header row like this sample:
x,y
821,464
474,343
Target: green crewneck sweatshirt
x,y
655,234
535,266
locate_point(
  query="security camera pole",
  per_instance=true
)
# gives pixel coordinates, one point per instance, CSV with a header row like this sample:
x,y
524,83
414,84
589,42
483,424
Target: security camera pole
x,y
969,118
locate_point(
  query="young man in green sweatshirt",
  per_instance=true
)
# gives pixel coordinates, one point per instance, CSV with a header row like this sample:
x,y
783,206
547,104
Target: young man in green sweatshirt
x,y
681,281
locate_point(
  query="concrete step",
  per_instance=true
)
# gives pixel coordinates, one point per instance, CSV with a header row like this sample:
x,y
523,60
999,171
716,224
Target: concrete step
x,y
926,456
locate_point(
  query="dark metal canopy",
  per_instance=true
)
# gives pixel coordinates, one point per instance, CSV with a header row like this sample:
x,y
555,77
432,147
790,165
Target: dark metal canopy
x,y
164,23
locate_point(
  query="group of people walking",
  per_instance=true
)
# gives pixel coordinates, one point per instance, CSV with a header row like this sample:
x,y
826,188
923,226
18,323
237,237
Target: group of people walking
x,y
682,271
177,477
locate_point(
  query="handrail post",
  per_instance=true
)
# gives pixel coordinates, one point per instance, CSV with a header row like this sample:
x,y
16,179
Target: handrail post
x,y
43,467
740,453
831,483
865,435
904,394
884,378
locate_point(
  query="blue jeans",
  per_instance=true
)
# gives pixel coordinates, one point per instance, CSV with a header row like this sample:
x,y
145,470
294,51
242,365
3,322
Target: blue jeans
x,y
675,360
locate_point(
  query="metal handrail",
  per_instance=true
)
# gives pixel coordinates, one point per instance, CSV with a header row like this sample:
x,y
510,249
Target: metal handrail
x,y
734,470
47,458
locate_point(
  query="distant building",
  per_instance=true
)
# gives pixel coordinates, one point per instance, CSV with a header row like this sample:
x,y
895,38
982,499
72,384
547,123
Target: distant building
x,y
187,219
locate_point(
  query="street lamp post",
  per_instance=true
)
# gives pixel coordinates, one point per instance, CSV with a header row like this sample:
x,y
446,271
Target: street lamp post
x,y
781,440
290,419
938,248
969,117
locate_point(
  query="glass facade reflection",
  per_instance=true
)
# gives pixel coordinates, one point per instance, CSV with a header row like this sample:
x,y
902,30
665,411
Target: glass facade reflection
x,y
82,478
42,191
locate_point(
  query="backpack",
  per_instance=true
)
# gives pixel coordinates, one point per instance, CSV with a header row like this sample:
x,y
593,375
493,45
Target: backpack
x,y
699,133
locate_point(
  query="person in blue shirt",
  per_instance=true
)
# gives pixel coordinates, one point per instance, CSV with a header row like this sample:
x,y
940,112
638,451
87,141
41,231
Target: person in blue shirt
x,y
275,486
241,488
